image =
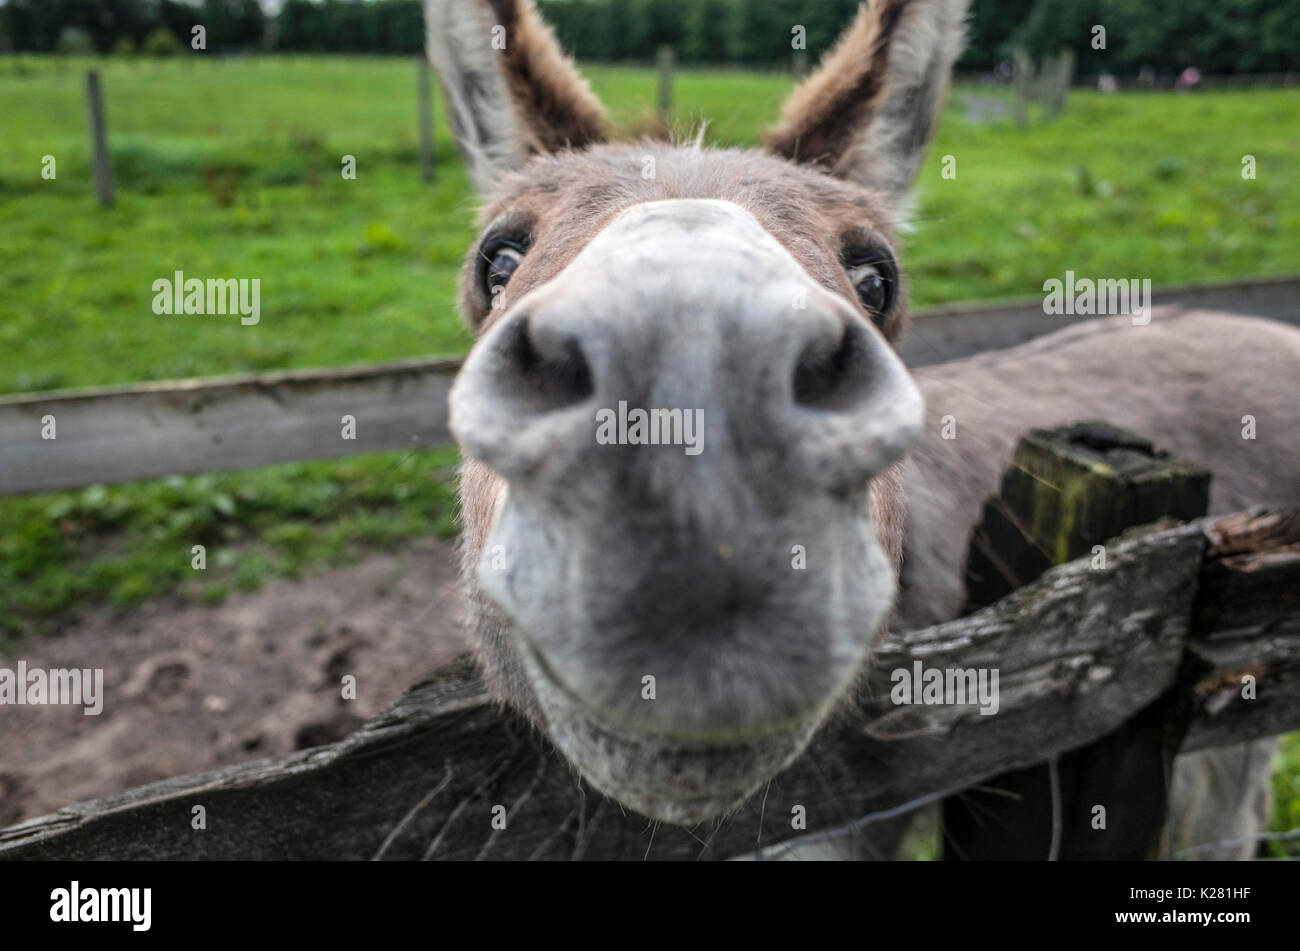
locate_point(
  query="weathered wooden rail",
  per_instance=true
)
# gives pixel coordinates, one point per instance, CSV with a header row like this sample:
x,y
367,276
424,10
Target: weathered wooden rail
x,y
122,433
1191,608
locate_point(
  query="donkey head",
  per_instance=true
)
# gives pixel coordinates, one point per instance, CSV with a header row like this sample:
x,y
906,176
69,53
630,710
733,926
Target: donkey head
x,y
683,413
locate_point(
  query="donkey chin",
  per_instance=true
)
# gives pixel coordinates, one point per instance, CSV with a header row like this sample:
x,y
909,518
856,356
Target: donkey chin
x,y
680,676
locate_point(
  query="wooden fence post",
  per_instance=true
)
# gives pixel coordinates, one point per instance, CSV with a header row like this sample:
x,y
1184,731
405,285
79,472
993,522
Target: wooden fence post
x,y
664,60
1057,82
1069,491
101,162
1022,75
425,106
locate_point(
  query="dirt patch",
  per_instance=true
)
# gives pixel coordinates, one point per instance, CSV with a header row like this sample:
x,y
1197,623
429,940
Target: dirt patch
x,y
187,688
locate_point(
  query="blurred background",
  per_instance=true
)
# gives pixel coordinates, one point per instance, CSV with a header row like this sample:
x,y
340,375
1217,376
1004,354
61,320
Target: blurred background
x,y
226,161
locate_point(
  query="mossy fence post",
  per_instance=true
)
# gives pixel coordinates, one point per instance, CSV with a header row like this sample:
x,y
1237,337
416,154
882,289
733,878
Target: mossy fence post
x,y
1067,493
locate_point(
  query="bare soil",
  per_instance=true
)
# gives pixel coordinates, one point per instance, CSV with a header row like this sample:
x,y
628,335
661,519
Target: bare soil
x,y
188,688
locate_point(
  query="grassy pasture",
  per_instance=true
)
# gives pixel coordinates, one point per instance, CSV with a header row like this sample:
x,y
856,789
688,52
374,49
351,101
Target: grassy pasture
x,y
234,169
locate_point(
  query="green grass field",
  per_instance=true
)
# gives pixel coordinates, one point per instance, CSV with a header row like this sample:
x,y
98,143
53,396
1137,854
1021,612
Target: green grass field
x,y
233,169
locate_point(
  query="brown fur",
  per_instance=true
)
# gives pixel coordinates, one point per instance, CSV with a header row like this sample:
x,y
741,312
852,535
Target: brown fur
x,y
504,105
563,201
554,103
822,116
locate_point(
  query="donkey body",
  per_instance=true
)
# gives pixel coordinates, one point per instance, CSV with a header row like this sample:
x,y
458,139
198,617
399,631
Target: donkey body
x,y
641,604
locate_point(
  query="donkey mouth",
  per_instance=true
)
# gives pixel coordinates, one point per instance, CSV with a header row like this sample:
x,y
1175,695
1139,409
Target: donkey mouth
x,y
680,688
679,785
673,778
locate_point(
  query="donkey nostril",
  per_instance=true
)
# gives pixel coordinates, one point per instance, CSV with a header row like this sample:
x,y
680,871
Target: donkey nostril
x,y
548,370
833,374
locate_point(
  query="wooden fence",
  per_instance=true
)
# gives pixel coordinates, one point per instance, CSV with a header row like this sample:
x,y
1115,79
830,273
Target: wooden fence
x,y
101,155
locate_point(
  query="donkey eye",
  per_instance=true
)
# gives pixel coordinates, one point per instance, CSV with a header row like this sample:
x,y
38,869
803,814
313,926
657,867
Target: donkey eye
x,y
873,289
498,257
502,263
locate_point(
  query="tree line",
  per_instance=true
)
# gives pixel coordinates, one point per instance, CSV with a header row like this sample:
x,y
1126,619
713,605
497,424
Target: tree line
x,y
1217,36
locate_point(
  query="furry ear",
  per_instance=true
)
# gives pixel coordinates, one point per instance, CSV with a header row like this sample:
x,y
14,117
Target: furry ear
x,y
869,111
510,90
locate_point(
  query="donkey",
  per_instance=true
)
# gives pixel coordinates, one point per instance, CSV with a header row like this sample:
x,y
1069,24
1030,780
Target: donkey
x,y
763,290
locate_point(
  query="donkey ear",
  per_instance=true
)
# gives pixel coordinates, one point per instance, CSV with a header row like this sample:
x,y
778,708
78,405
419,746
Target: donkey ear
x,y
868,112
510,90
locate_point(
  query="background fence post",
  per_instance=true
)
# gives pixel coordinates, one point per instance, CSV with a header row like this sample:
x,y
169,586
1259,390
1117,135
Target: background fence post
x,y
425,105
101,162
1022,74
1069,490
664,60
1058,82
